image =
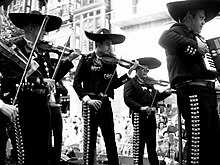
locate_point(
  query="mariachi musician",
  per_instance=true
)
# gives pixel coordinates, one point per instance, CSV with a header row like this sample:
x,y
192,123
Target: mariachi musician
x,y
141,97
32,99
94,82
8,113
194,83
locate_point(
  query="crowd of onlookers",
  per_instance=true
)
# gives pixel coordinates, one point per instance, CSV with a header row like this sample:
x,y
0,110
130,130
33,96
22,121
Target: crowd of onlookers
x,y
167,135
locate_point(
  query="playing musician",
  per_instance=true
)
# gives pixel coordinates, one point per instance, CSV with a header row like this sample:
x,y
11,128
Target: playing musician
x,y
195,85
141,97
32,98
8,113
94,82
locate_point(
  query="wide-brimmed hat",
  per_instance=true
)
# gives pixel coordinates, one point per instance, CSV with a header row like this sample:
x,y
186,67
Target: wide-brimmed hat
x,y
150,62
21,20
179,9
102,34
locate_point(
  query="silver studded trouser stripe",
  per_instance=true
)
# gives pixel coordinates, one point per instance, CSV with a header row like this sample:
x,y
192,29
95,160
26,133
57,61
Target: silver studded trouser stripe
x,y
86,132
195,130
136,138
19,142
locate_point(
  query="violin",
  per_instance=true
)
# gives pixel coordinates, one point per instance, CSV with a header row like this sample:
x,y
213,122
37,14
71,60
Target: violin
x,y
49,47
9,52
151,81
12,52
113,60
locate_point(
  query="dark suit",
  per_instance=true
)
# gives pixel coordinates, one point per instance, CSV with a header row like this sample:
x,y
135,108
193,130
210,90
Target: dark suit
x,y
196,95
32,101
92,79
137,95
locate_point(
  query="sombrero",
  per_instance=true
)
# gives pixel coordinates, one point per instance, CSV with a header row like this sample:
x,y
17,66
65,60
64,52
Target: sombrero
x,y
102,34
150,62
179,9
35,17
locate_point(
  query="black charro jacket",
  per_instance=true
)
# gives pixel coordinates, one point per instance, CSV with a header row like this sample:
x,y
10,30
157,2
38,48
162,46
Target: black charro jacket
x,y
92,79
181,65
137,95
12,72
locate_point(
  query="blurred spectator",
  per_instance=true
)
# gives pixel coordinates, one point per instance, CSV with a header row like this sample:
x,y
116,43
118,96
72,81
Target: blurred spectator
x,y
119,143
161,129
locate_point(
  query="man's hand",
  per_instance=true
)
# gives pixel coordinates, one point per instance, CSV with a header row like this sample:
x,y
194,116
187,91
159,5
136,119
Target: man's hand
x,y
95,103
202,48
9,110
168,91
133,67
73,55
50,83
146,109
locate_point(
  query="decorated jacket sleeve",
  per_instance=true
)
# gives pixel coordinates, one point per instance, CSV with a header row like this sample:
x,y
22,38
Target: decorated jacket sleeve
x,y
176,39
119,81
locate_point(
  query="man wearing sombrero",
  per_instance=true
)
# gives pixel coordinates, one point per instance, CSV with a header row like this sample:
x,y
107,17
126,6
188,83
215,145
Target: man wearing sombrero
x,y
32,100
94,82
141,97
195,85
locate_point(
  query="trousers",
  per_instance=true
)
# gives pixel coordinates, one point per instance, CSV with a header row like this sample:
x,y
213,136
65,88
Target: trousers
x,y
198,105
102,118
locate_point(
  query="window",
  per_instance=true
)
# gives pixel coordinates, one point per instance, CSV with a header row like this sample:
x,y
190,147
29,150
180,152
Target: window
x,y
77,18
90,14
85,2
134,6
91,24
77,30
91,1
91,43
98,12
78,4
85,15
98,22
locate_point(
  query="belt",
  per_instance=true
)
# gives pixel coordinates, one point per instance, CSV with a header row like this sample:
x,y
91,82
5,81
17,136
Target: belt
x,y
30,87
97,96
204,83
39,91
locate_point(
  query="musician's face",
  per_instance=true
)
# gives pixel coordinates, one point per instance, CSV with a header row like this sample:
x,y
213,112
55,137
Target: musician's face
x,y
35,31
105,47
142,72
198,21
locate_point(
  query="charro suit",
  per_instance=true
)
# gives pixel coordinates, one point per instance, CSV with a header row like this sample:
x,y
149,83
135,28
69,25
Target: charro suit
x,y
32,101
138,94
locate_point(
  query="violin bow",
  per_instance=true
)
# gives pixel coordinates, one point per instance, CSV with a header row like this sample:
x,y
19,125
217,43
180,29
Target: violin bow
x,y
110,81
59,61
153,99
30,57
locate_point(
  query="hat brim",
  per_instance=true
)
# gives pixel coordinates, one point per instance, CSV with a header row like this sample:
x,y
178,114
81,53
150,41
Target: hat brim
x,y
21,20
115,38
150,62
179,9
